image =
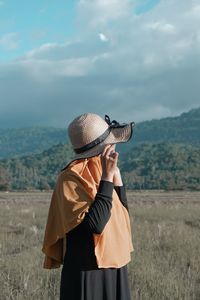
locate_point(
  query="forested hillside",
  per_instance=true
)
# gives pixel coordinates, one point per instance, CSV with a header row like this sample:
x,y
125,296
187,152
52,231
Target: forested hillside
x,y
147,166
162,166
37,171
15,142
181,129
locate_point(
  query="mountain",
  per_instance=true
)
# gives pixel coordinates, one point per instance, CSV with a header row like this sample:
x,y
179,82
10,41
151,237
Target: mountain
x,y
146,166
36,171
180,129
162,166
29,140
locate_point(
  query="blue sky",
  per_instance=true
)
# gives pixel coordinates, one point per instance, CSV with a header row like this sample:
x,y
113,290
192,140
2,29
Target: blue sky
x,y
144,6
131,59
34,23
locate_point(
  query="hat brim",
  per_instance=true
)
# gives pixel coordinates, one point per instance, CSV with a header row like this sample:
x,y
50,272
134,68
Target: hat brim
x,y
117,135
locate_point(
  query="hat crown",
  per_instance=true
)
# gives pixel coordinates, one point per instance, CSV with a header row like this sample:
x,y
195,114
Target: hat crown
x,y
86,128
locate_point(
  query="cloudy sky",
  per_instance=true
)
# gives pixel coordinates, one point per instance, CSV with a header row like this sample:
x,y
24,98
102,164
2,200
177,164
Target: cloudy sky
x,y
134,60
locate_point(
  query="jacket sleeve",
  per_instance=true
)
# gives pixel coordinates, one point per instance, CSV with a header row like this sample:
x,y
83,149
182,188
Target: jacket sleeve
x,y
99,212
121,191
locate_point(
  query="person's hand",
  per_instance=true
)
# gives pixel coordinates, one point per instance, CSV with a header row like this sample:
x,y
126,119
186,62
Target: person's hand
x,y
109,158
117,179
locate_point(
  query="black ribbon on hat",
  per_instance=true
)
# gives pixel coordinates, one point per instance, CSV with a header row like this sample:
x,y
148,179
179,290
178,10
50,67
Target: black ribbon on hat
x,y
114,123
101,138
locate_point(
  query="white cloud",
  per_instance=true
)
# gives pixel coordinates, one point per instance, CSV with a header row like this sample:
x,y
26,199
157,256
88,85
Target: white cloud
x,y
42,49
42,67
103,37
47,70
150,67
9,41
196,10
164,27
96,13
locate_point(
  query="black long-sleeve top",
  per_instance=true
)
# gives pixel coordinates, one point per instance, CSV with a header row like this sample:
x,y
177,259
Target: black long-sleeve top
x,y
80,244
99,212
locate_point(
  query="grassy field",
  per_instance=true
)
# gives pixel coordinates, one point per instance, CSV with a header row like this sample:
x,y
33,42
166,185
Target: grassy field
x,y
166,236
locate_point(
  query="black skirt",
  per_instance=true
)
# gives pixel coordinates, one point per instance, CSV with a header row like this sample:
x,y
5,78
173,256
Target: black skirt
x,y
82,279
101,284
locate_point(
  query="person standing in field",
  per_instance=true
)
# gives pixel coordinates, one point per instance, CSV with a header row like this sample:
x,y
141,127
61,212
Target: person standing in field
x,y
88,228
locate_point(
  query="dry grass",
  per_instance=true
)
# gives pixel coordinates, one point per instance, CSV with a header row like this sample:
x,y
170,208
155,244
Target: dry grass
x,y
166,236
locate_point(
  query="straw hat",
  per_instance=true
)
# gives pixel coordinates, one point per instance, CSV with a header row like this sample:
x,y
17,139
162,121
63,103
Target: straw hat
x,y
89,134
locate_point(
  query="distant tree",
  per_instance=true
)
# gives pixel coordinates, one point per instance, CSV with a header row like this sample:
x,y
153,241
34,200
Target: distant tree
x,y
4,179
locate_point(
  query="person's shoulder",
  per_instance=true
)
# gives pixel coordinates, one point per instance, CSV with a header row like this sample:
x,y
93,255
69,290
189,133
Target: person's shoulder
x,y
66,174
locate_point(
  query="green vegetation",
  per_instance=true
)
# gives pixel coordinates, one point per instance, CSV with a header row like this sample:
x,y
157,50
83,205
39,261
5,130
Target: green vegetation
x,y
162,166
38,171
146,166
163,154
30,140
183,129
15,142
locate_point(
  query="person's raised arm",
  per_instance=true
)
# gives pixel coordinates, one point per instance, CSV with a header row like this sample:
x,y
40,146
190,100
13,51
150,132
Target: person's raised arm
x,y
99,212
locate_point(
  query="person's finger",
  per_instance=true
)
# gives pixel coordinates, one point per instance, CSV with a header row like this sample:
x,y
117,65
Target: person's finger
x,y
112,146
112,151
112,156
109,149
104,151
